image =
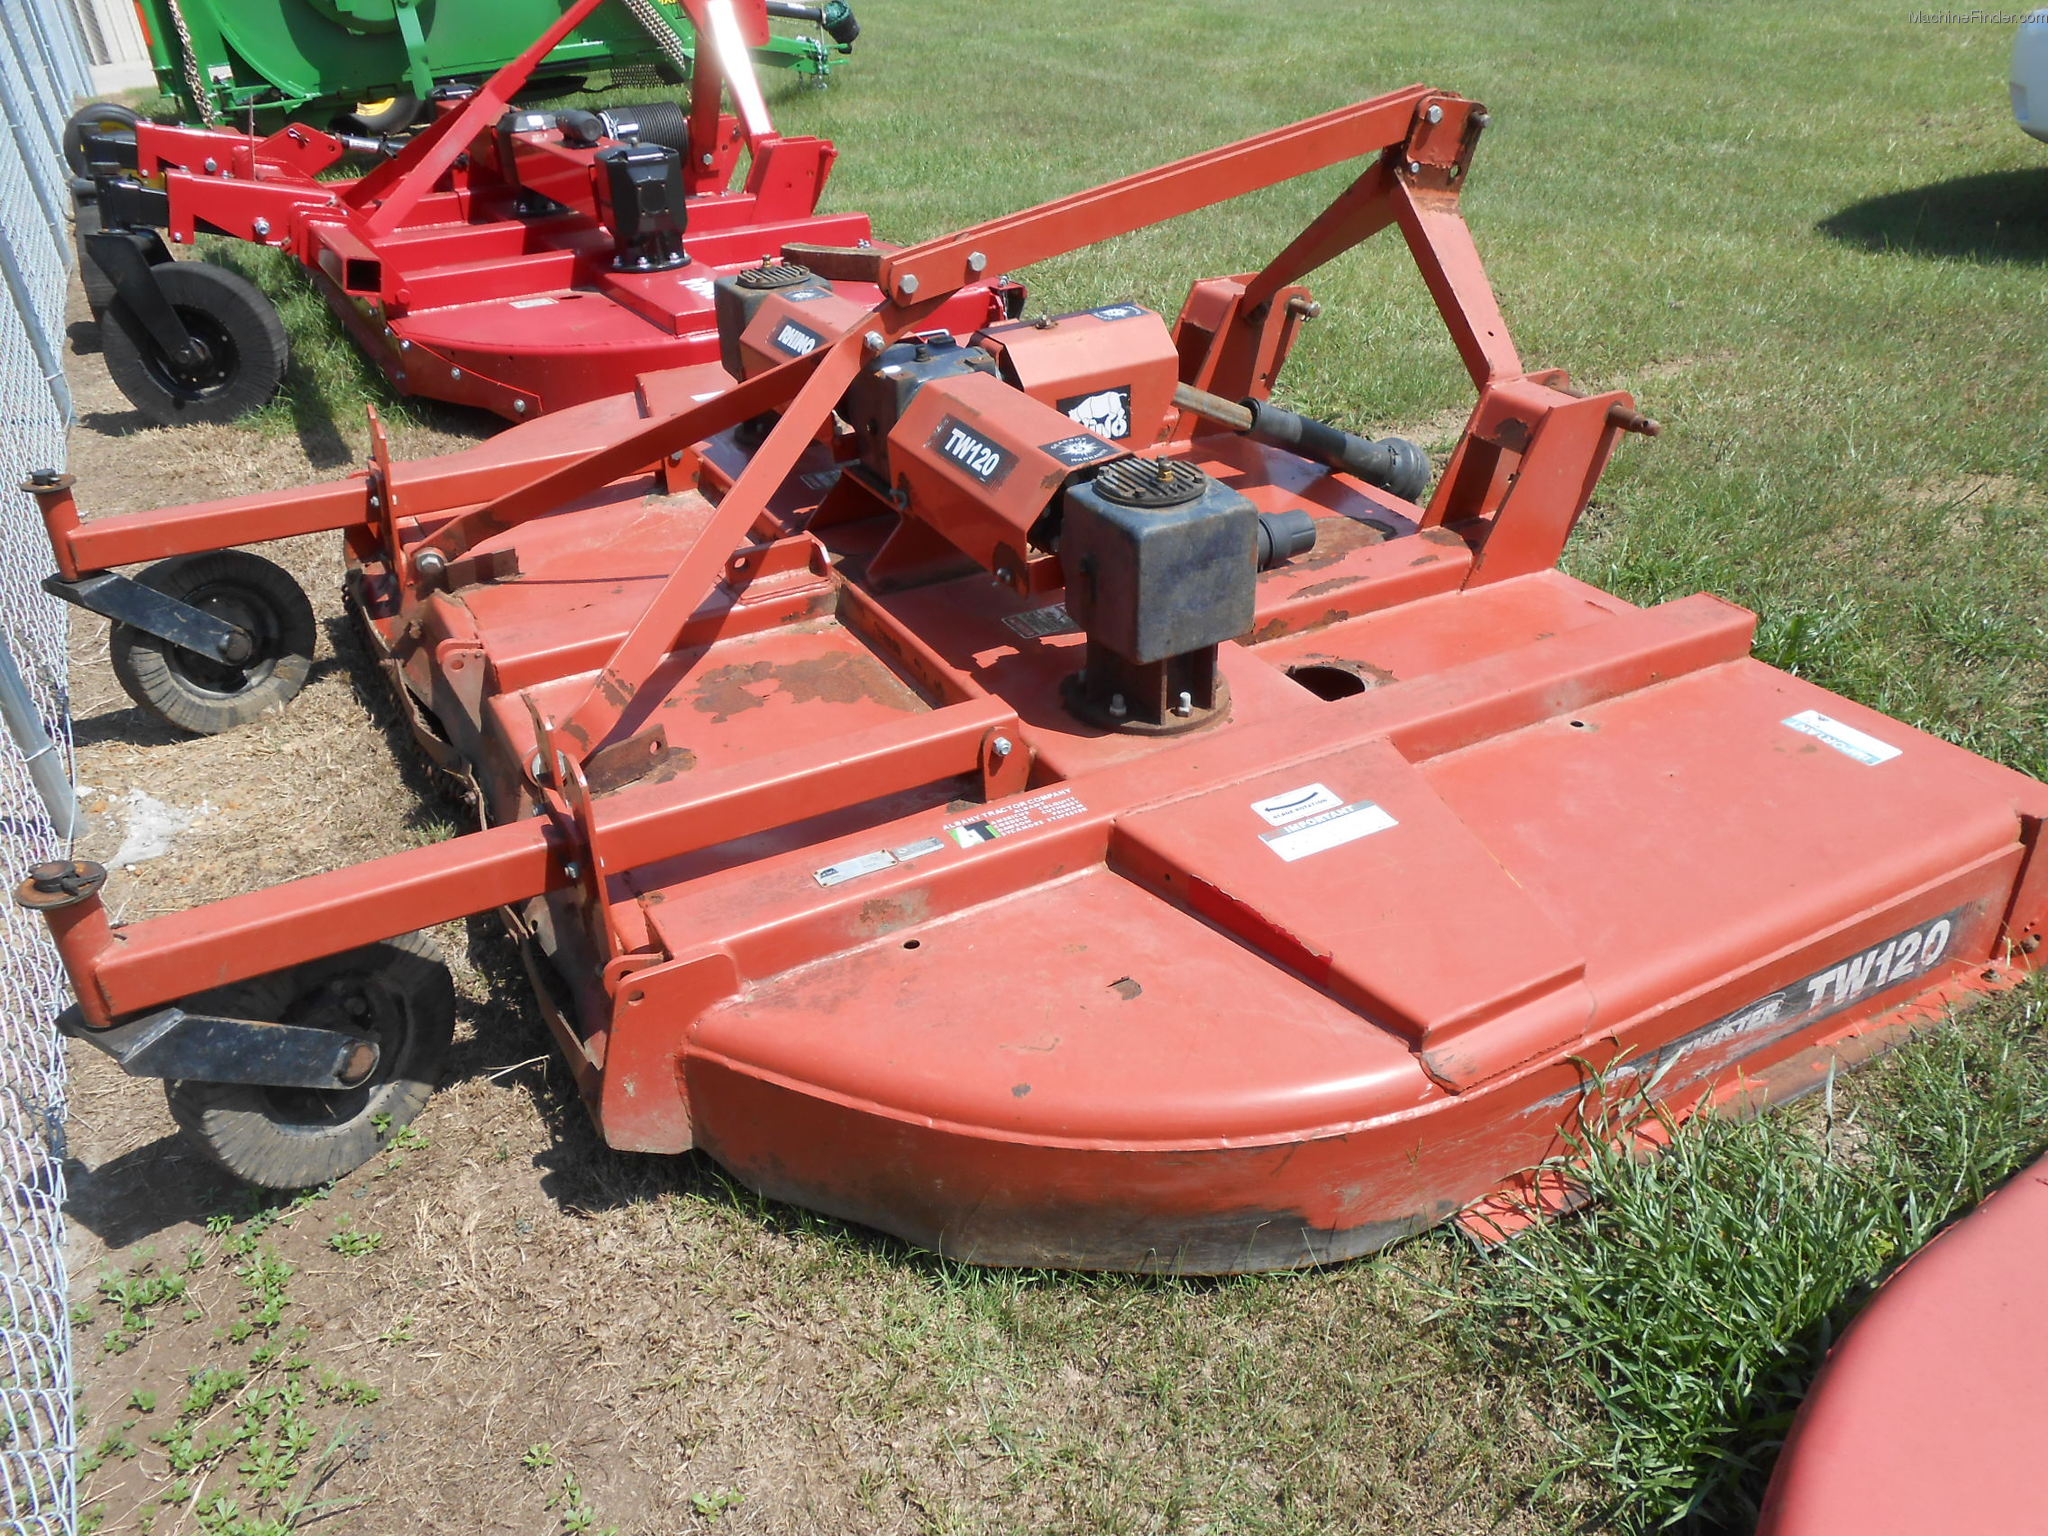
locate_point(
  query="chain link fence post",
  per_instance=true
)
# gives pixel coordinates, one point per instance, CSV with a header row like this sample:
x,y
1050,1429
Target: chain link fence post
x,y
42,76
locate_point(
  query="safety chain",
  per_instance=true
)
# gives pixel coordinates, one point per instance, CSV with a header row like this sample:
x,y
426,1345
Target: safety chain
x,y
195,82
664,36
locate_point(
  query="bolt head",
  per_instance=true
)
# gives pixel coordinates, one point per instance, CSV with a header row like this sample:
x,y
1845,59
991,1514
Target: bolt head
x,y
573,870
261,226
1184,705
1435,114
676,457
1002,746
907,285
873,342
977,262
1414,167
405,345
454,373
430,562
1117,707
519,406
212,165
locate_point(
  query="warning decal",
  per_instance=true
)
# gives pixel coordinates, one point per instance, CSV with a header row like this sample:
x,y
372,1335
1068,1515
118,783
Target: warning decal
x,y
1328,829
1293,804
1845,739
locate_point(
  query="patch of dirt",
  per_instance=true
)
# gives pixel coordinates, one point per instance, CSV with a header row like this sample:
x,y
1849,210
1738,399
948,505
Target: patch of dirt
x,y
502,1326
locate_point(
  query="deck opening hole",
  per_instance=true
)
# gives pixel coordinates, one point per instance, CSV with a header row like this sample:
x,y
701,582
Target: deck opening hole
x,y
1580,725
912,943
1327,682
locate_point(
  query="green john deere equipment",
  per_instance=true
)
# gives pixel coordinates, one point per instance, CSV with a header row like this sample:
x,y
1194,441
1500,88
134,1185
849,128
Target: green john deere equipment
x,y
374,62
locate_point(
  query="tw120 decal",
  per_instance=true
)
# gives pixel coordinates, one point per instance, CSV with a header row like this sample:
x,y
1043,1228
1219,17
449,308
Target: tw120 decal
x,y
1902,958
983,460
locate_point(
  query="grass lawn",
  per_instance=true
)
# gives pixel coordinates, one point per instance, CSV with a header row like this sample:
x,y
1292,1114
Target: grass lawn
x,y
1812,242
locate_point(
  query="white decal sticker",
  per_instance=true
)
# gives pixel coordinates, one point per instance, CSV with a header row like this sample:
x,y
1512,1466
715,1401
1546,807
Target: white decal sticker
x,y
1845,739
1024,816
854,868
795,340
1037,623
1331,829
1293,804
531,303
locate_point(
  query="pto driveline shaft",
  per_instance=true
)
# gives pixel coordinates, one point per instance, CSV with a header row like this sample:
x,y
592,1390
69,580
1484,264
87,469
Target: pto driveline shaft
x,y
1391,463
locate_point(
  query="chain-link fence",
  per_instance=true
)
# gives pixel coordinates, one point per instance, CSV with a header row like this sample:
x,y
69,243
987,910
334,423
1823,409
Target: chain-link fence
x,y
43,72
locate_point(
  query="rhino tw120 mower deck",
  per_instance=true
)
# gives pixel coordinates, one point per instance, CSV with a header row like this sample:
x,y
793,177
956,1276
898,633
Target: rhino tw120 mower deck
x,y
1025,792
514,260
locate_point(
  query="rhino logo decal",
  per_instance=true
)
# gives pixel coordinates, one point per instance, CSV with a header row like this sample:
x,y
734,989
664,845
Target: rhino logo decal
x,y
1106,413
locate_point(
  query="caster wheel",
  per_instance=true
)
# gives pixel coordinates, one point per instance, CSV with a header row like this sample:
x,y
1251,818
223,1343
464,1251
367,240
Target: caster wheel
x,y
391,114
197,693
240,333
109,115
397,993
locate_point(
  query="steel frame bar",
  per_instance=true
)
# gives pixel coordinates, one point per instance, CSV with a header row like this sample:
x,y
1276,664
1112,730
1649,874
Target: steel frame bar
x,y
391,191
162,959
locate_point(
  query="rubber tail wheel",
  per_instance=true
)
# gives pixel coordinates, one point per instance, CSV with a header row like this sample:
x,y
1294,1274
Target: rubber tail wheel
x,y
397,993
242,342
103,115
391,114
198,693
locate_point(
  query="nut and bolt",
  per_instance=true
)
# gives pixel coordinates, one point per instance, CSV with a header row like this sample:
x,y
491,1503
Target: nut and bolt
x,y
45,479
1308,309
1435,114
1481,119
1006,575
430,563
261,226
573,870
454,373
59,883
1414,167
1001,746
1184,705
873,342
1117,708
519,406
212,165
907,285
405,345
976,262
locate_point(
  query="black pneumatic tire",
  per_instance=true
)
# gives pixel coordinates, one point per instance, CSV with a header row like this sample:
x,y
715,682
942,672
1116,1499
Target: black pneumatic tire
x,y
110,114
197,693
243,334
397,992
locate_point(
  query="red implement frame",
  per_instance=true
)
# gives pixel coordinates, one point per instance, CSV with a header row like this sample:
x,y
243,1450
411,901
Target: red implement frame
x,y
467,265
1463,1000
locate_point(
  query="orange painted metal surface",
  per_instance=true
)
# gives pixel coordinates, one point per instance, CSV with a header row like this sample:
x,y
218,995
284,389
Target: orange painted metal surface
x,y
1928,1413
836,887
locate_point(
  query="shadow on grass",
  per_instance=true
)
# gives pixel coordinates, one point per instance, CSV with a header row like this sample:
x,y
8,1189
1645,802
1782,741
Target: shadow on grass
x,y
1999,216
